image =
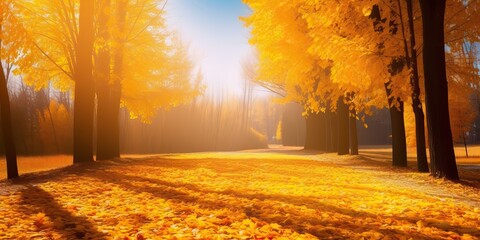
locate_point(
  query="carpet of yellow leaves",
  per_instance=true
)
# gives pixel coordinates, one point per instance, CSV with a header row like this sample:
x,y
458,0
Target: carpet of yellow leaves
x,y
237,196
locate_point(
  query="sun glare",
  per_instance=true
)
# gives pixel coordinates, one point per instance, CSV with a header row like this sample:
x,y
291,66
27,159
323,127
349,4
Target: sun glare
x,y
217,40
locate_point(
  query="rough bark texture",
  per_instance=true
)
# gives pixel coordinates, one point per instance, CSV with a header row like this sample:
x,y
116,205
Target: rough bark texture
x,y
84,87
442,156
6,119
416,102
343,127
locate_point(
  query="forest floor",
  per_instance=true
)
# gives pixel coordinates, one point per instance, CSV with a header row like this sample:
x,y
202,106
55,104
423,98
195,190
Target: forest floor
x,y
277,193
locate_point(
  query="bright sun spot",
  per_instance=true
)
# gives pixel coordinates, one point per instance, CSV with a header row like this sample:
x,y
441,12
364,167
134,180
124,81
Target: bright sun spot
x,y
217,40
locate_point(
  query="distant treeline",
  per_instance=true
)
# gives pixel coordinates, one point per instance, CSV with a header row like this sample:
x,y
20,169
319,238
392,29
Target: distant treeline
x,y
43,123
378,130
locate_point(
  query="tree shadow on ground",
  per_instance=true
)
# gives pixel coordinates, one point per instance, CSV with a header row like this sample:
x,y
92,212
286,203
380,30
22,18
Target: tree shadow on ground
x,y
36,200
350,221
238,167
182,192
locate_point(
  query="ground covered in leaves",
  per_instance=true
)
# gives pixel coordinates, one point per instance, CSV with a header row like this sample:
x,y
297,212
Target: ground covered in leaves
x,y
239,195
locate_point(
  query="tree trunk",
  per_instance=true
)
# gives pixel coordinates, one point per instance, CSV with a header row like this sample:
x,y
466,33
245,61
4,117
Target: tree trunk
x,y
328,131
331,130
343,127
399,145
416,102
116,89
102,77
399,142
84,87
422,162
322,124
115,119
442,156
465,145
312,140
353,132
6,118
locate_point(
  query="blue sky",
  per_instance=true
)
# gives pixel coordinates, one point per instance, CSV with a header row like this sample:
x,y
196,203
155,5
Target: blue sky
x,y
217,38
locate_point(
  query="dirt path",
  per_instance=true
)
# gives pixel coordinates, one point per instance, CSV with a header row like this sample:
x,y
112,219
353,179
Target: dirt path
x,y
252,194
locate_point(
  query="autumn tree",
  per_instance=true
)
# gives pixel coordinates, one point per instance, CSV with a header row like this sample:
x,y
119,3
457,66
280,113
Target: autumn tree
x,y
363,50
115,89
311,37
10,152
396,104
442,156
461,37
84,86
412,63
106,137
65,47
462,74
142,85
125,32
417,106
303,78
14,53
463,80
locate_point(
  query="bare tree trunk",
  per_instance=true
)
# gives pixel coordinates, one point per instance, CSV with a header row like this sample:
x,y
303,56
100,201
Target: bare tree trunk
x,y
422,162
84,87
442,155
353,132
315,134
399,142
343,127
352,125
331,130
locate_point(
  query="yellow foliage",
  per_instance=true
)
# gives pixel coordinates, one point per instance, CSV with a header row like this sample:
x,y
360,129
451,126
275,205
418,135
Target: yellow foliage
x,y
318,55
156,72
52,25
15,43
321,50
